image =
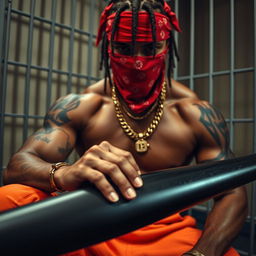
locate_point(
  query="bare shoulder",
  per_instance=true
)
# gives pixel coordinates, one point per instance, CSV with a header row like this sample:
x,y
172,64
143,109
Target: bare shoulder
x,y
97,88
196,111
186,107
74,108
180,91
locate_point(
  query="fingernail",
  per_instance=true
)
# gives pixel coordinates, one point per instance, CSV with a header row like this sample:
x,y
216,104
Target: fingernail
x,y
131,193
138,182
113,197
139,172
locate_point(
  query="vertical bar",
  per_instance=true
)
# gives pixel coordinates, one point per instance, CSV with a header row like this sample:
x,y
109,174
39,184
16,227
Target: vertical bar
x,y
4,66
176,38
51,51
90,44
28,70
192,45
211,65
232,67
71,44
253,191
192,53
2,14
211,49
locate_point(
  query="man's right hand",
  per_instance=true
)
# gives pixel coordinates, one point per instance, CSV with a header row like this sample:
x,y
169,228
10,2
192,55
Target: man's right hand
x,y
98,163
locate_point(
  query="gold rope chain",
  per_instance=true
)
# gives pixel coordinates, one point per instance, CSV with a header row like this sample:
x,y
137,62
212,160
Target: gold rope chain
x,y
141,145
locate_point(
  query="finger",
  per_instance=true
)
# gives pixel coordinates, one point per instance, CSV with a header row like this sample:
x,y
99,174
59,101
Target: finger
x,y
107,146
99,180
116,175
124,165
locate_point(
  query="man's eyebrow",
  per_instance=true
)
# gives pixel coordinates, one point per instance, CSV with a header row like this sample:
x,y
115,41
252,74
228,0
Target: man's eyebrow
x,y
120,44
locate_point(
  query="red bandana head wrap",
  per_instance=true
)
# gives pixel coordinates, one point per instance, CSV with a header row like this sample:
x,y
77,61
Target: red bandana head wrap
x,y
144,28
138,79
170,15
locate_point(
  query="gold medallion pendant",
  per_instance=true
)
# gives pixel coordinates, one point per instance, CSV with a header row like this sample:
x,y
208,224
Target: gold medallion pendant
x,y
141,145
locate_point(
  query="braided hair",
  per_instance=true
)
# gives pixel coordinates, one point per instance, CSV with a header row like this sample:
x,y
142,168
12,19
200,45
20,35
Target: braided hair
x,y
149,6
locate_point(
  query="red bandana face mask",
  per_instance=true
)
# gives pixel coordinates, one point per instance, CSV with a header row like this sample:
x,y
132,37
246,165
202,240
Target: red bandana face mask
x,y
138,79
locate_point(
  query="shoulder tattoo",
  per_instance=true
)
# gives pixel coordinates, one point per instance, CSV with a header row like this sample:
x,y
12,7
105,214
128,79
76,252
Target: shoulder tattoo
x,y
58,113
214,122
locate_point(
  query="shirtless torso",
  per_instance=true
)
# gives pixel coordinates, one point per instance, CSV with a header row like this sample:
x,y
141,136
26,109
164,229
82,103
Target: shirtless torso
x,y
171,145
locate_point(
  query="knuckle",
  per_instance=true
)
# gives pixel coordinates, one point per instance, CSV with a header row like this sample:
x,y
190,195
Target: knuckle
x,y
120,160
104,143
111,168
96,177
88,158
127,154
93,149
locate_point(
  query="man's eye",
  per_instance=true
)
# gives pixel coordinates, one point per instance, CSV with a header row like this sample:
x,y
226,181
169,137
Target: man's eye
x,y
159,46
149,51
125,50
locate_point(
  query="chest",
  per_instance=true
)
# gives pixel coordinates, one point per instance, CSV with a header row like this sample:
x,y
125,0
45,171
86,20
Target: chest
x,y
171,144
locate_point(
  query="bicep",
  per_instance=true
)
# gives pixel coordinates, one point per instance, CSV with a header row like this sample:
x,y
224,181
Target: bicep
x,y
213,140
51,145
56,139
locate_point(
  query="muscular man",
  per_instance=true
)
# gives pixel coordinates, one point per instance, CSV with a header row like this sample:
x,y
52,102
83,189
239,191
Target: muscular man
x,y
134,127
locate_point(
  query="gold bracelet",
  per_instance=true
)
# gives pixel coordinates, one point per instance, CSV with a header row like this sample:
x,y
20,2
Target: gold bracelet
x,y
55,167
194,253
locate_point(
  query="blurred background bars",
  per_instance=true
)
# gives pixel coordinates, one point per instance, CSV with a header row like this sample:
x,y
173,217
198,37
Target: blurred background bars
x,y
47,49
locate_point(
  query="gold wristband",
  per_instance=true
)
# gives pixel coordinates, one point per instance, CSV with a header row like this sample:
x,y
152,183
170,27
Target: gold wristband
x,y
194,253
55,167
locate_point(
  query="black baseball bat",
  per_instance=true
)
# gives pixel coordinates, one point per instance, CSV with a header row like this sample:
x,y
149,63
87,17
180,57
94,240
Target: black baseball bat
x,y
82,218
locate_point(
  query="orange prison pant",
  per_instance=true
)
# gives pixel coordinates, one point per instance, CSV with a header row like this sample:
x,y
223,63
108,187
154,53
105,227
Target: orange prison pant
x,y
171,236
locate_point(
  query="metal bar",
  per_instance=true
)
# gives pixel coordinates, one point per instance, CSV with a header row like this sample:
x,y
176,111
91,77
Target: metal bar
x,y
211,49
253,190
192,53
71,44
4,84
90,42
176,38
57,71
23,115
28,70
232,67
241,120
51,55
192,45
2,15
217,73
210,75
76,30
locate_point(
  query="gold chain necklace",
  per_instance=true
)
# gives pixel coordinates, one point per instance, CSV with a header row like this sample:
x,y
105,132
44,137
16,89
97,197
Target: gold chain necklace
x,y
141,145
140,117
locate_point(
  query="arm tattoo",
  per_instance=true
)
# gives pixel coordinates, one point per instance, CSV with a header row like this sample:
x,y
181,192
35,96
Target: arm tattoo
x,y
58,115
215,124
58,112
41,135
